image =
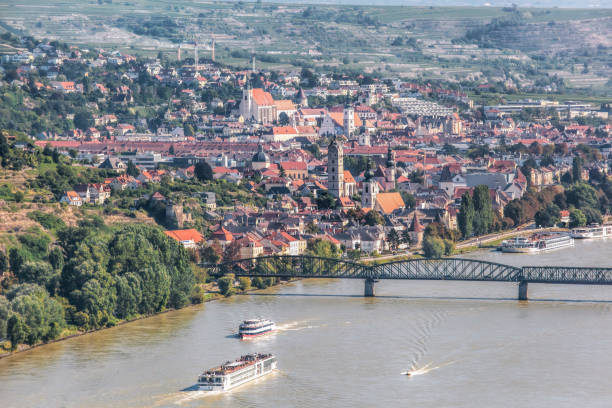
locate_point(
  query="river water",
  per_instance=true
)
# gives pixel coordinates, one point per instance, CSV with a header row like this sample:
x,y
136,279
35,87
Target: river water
x,y
469,344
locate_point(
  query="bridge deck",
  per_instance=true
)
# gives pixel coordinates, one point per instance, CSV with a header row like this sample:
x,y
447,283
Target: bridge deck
x,y
305,266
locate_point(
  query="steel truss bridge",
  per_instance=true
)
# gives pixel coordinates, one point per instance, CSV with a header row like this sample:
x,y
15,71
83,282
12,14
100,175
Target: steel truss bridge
x,y
452,269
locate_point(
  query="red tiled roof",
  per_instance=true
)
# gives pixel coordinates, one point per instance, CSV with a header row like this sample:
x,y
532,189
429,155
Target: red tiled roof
x,y
390,202
294,165
262,98
185,235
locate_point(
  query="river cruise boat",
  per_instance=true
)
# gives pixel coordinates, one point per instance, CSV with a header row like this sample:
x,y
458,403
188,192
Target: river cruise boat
x,y
537,243
235,373
592,232
255,327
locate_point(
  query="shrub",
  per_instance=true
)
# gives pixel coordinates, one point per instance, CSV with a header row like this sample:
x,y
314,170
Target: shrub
x,y
226,285
433,247
197,295
245,283
259,283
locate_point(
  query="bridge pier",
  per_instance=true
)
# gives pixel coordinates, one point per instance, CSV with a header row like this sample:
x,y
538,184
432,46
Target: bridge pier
x,y
522,290
369,287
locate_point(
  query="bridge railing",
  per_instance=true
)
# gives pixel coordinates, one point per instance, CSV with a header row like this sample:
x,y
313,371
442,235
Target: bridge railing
x,y
561,274
307,266
447,269
292,266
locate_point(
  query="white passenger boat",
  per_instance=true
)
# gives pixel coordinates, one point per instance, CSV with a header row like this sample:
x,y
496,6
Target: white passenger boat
x,y
537,243
233,374
255,327
592,232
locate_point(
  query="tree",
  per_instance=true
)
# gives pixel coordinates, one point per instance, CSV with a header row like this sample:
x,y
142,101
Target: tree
x,y
577,168
15,331
83,120
465,218
373,217
433,247
577,218
56,259
259,283
582,195
406,237
283,119
483,216
593,216
132,170
245,283
549,216
40,273
325,201
5,313
226,285
393,239
188,130
17,257
408,198
514,211
449,247
203,171
42,317
4,262
323,248
210,255
4,150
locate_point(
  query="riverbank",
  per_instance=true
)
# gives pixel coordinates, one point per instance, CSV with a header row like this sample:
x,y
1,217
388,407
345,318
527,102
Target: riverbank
x,y
209,297
24,347
496,240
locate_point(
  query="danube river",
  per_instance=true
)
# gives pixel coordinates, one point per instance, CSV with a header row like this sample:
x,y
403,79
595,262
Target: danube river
x,y
468,344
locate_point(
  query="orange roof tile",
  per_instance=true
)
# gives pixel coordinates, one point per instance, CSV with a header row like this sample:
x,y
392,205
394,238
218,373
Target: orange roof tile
x,y
185,235
294,165
348,177
222,234
262,98
284,105
390,202
338,117
284,130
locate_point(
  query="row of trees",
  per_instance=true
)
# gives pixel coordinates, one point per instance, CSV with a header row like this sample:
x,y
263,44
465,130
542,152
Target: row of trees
x,y
91,277
476,213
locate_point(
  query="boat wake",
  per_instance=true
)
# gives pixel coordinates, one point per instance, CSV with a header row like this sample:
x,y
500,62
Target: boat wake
x,y
295,326
184,396
414,371
422,332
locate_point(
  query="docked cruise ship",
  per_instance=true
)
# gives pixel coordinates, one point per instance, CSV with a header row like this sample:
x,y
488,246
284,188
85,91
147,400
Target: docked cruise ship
x,y
255,327
233,374
592,232
537,243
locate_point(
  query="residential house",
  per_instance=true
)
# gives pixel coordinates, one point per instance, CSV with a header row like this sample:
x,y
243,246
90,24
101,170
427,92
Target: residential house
x,y
189,238
72,198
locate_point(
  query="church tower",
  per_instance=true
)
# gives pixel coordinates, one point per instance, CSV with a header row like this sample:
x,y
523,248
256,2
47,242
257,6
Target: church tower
x,y
391,170
335,168
364,138
370,189
303,99
348,122
246,105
